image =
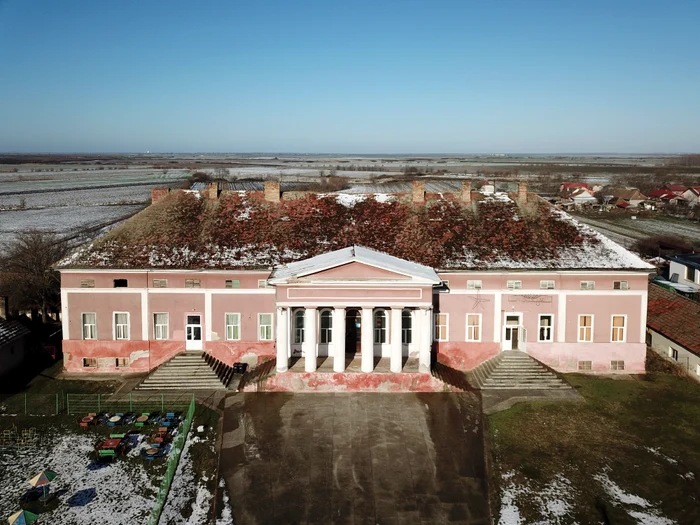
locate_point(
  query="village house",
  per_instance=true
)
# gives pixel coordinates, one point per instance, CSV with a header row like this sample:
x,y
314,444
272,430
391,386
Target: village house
x,y
411,277
684,269
633,197
673,330
692,195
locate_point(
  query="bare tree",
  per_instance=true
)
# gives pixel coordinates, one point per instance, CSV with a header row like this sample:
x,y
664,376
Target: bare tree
x,y
27,275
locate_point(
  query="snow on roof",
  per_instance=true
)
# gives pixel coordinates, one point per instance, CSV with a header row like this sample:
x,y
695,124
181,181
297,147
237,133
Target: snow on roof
x,y
359,254
242,231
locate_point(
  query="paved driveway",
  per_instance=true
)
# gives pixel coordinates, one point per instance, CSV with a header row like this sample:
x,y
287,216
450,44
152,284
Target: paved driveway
x,y
354,459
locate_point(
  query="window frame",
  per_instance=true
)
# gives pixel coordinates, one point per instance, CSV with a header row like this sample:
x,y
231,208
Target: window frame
x,y
472,284
578,332
236,325
406,333
162,283
231,282
83,324
587,285
327,332
120,283
115,324
613,328
470,328
381,330
193,283
87,283
618,285
547,287
514,284
126,359
93,360
584,368
299,334
617,365
265,325
436,330
157,325
550,327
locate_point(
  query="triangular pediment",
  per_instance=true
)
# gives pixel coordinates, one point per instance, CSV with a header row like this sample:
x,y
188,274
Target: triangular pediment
x,y
352,264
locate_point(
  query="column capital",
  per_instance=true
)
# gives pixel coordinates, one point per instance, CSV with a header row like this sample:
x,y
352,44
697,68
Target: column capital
x,y
401,308
426,308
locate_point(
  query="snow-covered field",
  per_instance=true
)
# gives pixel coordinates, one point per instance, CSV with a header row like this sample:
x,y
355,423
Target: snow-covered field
x,y
627,230
121,492
88,197
63,220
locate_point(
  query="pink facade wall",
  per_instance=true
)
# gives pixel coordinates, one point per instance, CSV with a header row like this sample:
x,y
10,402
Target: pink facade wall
x,y
465,356
178,306
249,306
348,382
564,357
356,270
104,305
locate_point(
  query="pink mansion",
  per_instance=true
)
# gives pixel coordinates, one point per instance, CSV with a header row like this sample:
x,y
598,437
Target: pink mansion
x,y
309,278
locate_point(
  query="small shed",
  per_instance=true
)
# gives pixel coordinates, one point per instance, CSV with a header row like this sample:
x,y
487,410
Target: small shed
x,y
14,345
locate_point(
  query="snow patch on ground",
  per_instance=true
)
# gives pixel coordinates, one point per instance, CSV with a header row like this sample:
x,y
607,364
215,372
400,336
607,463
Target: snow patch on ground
x,y
186,491
226,512
121,492
553,500
642,510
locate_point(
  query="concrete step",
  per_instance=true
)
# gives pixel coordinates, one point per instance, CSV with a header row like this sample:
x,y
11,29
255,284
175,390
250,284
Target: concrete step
x,y
186,371
513,370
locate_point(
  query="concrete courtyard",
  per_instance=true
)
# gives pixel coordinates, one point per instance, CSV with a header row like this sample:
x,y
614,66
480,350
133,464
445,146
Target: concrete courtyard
x,y
414,458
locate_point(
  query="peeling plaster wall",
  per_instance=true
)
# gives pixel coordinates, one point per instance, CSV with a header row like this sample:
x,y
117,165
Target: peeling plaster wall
x,y
350,382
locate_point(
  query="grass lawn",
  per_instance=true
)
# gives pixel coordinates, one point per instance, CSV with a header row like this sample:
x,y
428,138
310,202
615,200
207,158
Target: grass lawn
x,y
630,454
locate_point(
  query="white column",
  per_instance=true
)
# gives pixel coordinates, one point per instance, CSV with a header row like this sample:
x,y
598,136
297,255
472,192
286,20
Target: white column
x,y
339,339
282,336
426,342
65,322
367,343
643,318
497,317
288,323
395,360
310,351
561,318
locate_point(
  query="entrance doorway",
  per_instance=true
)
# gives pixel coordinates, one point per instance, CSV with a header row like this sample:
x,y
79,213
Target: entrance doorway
x,y
193,331
512,338
353,331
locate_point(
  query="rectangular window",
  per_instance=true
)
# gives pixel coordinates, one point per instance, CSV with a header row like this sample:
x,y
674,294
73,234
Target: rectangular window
x,y
690,273
618,328
89,326
587,285
474,285
121,325
585,365
473,327
697,370
620,285
160,283
233,283
160,326
262,283
265,327
617,365
441,327
233,327
546,327
90,362
121,283
87,283
122,362
585,328
546,285
192,283
326,331
673,353
406,327
514,285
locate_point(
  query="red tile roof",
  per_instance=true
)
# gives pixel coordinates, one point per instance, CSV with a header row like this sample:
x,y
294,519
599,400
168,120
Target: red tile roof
x,y
675,317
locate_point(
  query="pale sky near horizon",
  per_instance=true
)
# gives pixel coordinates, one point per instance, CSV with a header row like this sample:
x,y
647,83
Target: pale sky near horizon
x,y
373,76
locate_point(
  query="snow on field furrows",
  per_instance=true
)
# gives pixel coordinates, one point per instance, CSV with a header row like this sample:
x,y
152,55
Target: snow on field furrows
x,y
122,492
89,197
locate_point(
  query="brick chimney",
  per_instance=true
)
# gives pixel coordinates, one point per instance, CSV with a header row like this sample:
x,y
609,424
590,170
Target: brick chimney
x,y
522,192
272,191
466,191
212,191
158,193
418,191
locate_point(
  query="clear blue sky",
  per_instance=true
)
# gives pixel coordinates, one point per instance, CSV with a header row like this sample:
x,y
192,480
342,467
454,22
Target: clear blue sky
x,y
350,76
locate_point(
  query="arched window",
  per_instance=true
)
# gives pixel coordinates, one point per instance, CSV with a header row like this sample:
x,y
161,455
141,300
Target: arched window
x,y
406,327
299,326
380,327
326,327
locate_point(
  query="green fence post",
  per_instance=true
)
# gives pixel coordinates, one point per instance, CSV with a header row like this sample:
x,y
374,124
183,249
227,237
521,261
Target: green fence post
x,y
131,404
56,404
68,404
25,404
162,403
99,406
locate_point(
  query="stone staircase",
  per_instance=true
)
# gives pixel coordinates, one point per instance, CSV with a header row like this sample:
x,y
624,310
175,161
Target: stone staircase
x,y
515,370
186,371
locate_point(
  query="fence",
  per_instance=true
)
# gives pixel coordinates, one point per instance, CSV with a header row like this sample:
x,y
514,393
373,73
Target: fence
x,y
77,404
173,461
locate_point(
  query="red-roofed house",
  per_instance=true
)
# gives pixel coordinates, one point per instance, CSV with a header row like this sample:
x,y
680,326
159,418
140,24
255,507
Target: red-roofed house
x,y
673,329
455,278
678,189
692,195
570,186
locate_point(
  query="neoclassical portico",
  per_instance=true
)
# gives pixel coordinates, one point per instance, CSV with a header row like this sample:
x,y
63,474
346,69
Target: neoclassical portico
x,y
355,298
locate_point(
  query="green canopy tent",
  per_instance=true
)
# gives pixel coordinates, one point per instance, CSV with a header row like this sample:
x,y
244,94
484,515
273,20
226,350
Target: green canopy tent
x,y
42,479
23,517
